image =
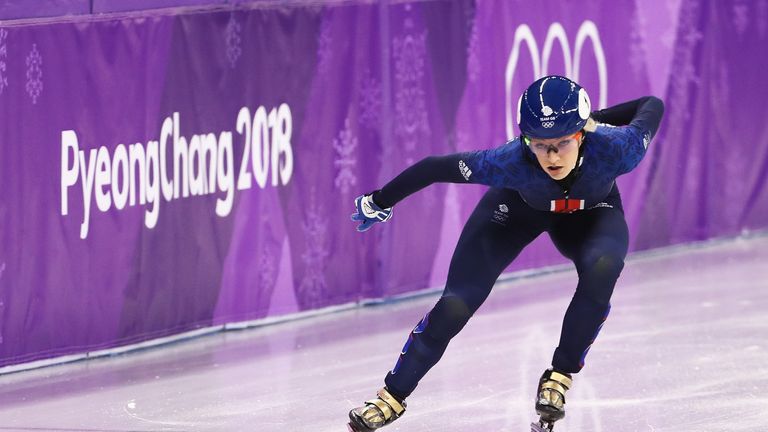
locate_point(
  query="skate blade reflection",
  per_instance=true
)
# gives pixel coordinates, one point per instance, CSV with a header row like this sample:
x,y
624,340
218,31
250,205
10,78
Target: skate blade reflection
x,y
539,427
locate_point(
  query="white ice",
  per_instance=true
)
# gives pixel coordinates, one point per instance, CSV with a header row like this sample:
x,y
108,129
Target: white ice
x,y
685,349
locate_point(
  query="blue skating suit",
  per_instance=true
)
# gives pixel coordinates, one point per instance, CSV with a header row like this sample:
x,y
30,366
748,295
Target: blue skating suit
x,y
582,214
608,153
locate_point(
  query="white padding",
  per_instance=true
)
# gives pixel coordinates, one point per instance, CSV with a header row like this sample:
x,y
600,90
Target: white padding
x,y
585,106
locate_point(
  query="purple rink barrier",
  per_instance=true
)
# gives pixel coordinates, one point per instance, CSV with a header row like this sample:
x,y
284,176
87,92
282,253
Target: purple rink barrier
x,y
16,9
24,9
164,172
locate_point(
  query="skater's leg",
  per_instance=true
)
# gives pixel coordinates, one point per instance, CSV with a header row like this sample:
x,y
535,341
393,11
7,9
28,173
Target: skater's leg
x,y
597,241
489,242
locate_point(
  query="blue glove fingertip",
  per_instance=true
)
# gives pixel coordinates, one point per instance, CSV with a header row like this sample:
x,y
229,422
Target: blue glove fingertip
x,y
365,226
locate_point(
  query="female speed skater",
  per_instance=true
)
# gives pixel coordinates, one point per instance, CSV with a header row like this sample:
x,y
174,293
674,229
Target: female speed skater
x,y
558,176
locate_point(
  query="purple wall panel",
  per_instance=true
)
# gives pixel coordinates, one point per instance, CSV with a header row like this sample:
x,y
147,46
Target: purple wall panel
x,y
15,9
105,6
26,9
166,172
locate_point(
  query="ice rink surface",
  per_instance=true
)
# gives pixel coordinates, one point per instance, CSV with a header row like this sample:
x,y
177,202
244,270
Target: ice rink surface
x,y
685,349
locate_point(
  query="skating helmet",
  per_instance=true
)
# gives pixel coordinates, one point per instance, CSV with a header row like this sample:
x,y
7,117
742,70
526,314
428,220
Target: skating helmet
x,y
551,107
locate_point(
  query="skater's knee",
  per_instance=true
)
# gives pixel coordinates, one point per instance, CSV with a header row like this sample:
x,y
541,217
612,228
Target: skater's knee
x,y
448,317
601,264
598,272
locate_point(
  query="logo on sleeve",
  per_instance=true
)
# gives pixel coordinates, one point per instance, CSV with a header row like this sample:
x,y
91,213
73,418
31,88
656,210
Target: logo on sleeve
x,y
646,139
464,169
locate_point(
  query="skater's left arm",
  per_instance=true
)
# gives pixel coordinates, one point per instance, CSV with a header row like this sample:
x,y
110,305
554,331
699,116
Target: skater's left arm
x,y
644,113
639,121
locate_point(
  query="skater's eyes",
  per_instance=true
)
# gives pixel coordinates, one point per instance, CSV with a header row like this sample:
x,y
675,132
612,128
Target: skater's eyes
x,y
563,146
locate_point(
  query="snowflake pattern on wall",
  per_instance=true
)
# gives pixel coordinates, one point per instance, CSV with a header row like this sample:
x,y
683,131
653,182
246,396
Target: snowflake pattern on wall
x,y
473,58
2,305
740,17
685,71
233,40
267,269
411,122
637,44
313,288
345,145
34,74
369,101
682,81
3,57
324,47
720,87
470,14
670,34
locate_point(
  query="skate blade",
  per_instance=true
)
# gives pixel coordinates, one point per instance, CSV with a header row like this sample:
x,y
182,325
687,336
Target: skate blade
x,y
536,427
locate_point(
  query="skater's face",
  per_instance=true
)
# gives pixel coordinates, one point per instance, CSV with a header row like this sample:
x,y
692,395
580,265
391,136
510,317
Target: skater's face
x,y
557,156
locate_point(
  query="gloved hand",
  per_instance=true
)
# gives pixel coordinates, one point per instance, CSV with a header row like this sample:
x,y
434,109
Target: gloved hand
x,y
369,213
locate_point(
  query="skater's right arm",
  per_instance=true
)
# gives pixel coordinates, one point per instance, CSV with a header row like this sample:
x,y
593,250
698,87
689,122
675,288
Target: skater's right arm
x,y
480,167
488,167
377,206
432,169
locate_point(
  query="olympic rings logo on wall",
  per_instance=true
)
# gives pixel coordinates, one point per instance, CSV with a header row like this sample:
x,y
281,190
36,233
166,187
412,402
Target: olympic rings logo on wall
x,y
540,61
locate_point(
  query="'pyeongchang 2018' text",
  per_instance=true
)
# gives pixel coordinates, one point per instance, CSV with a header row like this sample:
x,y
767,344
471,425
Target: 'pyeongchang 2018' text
x,y
200,165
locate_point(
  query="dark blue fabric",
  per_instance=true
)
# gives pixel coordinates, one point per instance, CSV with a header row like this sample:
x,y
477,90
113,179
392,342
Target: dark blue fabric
x,y
645,113
607,153
585,220
499,228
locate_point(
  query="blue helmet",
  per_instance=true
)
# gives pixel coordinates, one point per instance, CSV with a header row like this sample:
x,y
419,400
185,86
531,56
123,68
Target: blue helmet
x,y
551,107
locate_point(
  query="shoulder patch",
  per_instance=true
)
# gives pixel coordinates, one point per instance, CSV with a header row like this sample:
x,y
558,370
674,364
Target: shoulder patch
x,y
464,169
